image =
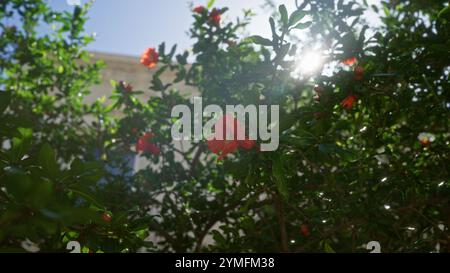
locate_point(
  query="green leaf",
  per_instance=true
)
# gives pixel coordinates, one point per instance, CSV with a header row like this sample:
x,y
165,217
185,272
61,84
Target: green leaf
x,y
162,49
182,59
210,3
157,84
272,27
113,83
21,145
140,223
386,10
25,132
172,52
283,51
296,16
346,155
42,193
328,248
77,166
303,25
334,150
279,175
18,184
260,40
47,160
284,15
218,237
298,141
87,197
445,12
5,98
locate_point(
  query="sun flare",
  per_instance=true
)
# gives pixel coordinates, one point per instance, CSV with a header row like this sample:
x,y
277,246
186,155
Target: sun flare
x,y
309,63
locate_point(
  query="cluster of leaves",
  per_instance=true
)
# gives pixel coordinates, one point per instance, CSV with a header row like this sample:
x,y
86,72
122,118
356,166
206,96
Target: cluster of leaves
x,y
342,176
53,179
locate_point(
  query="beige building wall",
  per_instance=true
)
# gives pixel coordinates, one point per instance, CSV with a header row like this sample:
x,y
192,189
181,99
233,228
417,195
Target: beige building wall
x,y
128,69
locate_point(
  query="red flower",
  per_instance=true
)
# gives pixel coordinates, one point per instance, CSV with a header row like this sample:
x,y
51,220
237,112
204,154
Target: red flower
x,y
199,9
124,86
215,17
426,138
222,147
144,145
358,73
106,217
350,61
247,144
219,144
348,102
304,229
149,57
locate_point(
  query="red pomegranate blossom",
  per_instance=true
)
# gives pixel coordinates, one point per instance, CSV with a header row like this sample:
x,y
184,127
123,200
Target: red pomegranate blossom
x,y
350,61
426,138
199,9
149,58
358,73
218,143
144,145
215,17
247,144
349,101
106,217
222,147
304,229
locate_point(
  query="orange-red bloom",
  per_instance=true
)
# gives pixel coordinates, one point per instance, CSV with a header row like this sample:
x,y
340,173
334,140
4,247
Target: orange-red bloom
x,y
349,101
222,147
106,217
219,144
304,229
426,138
149,57
199,9
215,17
358,73
350,61
144,145
247,144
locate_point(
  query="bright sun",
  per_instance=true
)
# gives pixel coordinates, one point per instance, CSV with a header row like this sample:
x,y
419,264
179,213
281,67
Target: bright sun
x,y
309,62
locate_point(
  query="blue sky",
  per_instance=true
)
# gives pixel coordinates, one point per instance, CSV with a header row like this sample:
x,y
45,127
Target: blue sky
x,y
129,26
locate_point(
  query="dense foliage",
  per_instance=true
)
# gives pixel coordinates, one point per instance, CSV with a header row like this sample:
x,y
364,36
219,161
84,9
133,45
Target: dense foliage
x,y
363,154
